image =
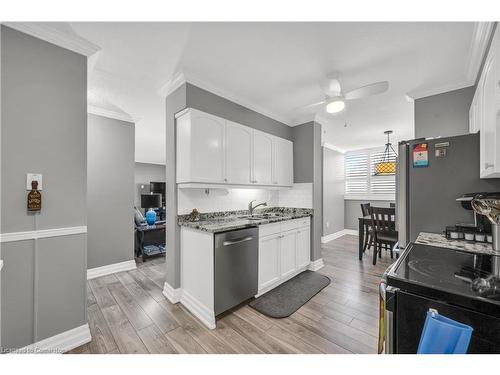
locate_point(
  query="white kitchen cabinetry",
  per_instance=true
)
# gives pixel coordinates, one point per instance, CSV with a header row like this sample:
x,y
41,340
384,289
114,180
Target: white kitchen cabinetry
x,y
303,247
283,162
212,150
284,251
200,148
238,153
269,260
262,158
484,114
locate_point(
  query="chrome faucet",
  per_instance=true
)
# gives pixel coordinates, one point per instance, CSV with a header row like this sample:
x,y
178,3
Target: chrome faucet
x,y
251,207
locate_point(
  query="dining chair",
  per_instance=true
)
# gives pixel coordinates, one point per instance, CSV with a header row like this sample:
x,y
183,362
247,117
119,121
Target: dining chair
x,y
384,230
368,240
392,205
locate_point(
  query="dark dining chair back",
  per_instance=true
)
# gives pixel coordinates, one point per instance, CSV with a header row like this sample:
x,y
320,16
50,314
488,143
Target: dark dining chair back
x,y
392,205
365,209
384,229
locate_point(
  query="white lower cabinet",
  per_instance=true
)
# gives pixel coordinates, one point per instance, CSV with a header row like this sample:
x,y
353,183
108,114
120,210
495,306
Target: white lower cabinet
x,y
269,260
288,253
284,251
303,247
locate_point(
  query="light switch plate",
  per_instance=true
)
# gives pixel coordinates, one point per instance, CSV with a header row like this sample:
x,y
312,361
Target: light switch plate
x,y
34,177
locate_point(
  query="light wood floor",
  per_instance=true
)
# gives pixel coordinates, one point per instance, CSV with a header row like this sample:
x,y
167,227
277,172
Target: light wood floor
x,y
128,313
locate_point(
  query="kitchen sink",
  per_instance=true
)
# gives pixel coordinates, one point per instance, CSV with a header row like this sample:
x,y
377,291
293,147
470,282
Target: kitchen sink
x,y
258,217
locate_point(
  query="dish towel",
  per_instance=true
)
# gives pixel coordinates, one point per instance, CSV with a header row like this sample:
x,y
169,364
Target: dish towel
x,y
442,335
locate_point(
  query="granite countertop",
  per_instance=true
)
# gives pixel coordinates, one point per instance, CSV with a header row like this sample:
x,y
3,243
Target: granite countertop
x,y
214,222
439,240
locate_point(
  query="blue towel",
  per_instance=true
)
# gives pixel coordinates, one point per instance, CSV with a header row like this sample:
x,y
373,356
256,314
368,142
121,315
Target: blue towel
x,y
442,335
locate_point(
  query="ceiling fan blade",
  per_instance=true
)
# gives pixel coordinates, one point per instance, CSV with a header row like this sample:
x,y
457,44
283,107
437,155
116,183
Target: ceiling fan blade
x,y
314,105
368,90
331,87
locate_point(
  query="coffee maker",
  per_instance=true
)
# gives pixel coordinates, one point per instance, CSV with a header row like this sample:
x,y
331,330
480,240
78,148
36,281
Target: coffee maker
x,y
479,228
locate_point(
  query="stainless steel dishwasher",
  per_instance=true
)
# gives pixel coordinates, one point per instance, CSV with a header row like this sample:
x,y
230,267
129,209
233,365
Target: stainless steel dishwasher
x,y
236,267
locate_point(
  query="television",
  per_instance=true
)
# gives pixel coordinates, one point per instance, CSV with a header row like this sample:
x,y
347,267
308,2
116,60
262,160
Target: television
x,y
158,188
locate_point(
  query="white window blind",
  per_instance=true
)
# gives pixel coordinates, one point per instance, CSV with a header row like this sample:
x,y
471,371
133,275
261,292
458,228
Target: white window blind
x,y
360,179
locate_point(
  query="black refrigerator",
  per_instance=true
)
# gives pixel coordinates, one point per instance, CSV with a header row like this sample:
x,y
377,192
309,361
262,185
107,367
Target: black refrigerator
x,y
428,184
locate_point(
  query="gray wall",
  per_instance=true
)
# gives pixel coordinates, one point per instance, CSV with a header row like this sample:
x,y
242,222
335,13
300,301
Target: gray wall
x,y
44,119
110,191
144,174
333,191
444,114
352,211
303,152
308,167
210,103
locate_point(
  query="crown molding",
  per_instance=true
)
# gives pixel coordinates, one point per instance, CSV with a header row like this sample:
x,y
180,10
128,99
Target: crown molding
x,y
182,77
333,148
479,43
52,35
418,94
110,114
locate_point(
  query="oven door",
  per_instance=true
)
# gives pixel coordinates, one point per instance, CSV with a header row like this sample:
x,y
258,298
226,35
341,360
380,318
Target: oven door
x,y
409,313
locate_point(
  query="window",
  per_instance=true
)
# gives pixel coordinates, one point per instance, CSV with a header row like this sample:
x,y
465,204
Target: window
x,y
360,179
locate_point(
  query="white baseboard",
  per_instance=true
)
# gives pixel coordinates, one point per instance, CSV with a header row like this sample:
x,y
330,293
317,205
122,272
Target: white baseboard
x,y
111,268
316,264
338,234
60,343
204,314
173,295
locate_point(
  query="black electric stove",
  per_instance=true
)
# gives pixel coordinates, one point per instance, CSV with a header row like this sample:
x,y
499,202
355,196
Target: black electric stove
x,y
461,285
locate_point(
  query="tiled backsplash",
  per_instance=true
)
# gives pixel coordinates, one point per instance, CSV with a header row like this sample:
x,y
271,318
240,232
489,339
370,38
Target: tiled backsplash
x,y
299,196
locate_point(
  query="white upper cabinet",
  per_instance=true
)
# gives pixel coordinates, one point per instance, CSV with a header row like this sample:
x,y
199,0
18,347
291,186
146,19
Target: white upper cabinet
x,y
212,150
283,162
484,113
262,158
238,154
200,148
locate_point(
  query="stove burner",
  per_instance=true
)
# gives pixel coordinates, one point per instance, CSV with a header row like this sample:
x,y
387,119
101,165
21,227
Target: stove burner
x,y
427,267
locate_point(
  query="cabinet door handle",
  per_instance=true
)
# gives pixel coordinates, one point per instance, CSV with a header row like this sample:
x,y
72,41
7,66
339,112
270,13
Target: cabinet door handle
x,y
488,165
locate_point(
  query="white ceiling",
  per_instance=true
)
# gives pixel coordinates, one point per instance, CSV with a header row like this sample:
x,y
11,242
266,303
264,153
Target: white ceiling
x,y
276,67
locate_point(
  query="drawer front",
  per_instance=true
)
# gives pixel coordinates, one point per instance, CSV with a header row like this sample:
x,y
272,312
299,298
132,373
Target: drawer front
x,y
294,224
268,229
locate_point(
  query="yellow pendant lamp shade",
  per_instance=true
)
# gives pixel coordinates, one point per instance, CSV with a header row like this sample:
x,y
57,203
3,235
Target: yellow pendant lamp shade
x,y
388,165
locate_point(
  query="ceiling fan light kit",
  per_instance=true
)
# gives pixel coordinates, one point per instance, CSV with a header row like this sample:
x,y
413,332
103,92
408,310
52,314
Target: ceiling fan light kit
x,y
335,106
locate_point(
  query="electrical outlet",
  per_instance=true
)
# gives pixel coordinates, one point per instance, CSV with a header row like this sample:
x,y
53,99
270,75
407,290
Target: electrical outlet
x,y
33,177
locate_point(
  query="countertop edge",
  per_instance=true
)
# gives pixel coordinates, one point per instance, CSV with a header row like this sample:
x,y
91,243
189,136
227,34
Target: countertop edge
x,y
193,224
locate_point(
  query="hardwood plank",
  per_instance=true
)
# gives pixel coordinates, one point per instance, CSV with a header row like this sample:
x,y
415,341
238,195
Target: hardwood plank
x,y
235,340
161,318
102,339
311,338
183,342
148,285
292,341
156,341
340,338
90,296
124,334
135,314
254,317
256,336
102,295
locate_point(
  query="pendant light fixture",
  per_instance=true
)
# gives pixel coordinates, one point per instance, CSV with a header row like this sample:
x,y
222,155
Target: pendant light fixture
x,y
387,166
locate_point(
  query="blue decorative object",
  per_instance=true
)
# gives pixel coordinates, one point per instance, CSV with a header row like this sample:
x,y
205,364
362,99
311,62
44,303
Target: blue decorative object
x,y
151,217
442,335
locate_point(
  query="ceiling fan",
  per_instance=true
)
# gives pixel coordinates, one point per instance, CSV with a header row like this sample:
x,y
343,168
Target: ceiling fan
x,y
335,98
